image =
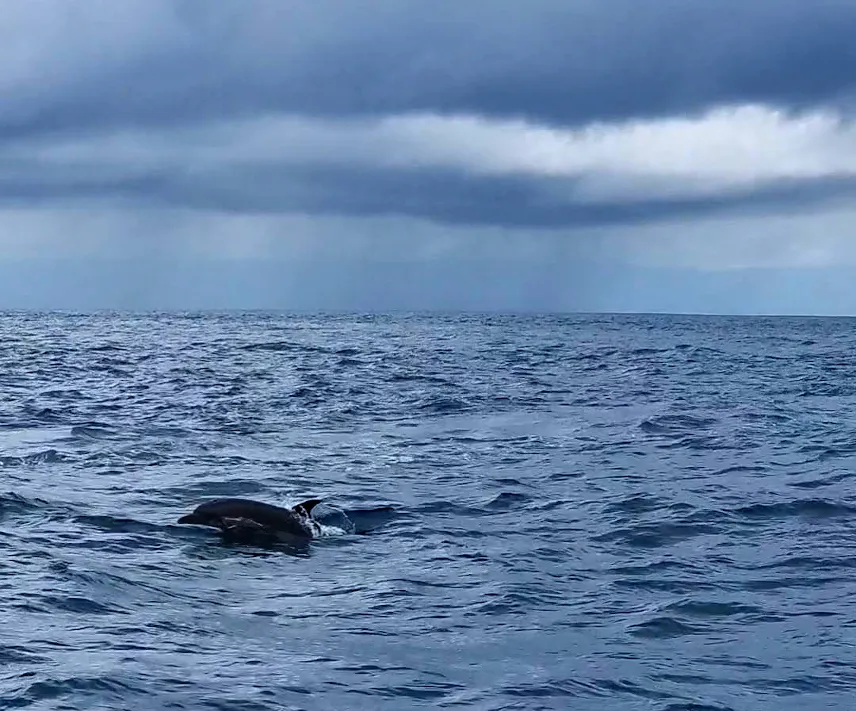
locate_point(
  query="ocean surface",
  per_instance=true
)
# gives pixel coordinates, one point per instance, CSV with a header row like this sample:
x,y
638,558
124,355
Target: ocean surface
x,y
553,512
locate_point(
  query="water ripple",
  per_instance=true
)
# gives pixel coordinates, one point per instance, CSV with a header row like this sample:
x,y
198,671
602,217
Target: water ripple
x,y
638,512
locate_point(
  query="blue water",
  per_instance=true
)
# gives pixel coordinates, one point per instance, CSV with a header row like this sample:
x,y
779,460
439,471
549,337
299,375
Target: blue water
x,y
587,512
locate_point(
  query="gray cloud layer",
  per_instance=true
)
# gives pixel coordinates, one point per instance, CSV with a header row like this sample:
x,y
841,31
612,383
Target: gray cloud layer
x,y
84,68
81,64
437,195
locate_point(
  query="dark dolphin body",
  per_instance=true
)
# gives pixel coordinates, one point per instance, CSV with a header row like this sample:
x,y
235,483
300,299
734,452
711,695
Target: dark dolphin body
x,y
253,521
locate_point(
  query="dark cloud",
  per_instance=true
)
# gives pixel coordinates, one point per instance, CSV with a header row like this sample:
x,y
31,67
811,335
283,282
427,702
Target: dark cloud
x,y
565,62
556,61
439,196
453,197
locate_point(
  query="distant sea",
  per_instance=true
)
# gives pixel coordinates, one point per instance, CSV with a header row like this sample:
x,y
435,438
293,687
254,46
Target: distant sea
x,y
554,512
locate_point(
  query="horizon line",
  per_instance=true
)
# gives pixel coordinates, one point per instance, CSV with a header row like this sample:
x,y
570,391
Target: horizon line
x,y
408,312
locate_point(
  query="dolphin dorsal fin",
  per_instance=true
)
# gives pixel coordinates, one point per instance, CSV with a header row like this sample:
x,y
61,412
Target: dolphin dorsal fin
x,y
306,507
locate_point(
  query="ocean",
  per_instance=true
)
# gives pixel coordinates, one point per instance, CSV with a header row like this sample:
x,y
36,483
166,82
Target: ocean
x,y
624,512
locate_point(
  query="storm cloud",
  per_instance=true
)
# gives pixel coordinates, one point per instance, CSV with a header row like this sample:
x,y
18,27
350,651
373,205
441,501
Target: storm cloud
x,y
573,130
77,64
454,170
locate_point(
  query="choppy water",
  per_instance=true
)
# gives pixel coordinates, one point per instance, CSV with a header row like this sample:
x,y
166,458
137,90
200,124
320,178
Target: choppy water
x,y
586,512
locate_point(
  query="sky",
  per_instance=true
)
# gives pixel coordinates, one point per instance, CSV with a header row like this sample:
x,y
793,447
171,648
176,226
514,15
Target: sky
x,y
683,156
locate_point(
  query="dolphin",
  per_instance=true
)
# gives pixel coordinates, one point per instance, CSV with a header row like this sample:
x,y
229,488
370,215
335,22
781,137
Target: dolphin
x,y
245,519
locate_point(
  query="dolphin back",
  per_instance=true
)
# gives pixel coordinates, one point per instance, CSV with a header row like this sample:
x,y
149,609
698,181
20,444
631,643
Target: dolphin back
x,y
275,518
